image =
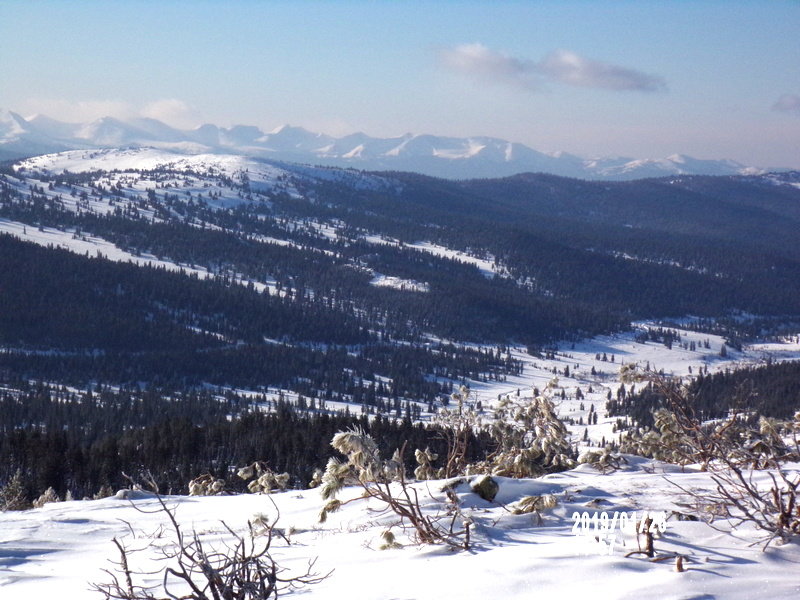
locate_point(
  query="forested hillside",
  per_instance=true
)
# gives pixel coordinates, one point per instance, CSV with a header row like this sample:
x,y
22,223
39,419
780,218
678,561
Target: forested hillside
x,y
80,442
243,272
151,305
768,390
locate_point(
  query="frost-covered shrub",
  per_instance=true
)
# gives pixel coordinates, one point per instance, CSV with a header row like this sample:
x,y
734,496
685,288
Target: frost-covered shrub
x,y
532,440
535,504
769,446
13,495
425,460
48,496
206,485
457,424
266,480
604,460
364,464
668,442
316,478
105,491
383,481
243,568
731,450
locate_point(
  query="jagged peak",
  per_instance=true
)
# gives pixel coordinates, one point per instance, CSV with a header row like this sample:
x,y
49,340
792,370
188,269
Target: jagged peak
x,y
442,156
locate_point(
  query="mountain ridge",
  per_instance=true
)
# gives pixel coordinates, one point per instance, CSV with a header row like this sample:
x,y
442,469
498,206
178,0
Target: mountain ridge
x,y
438,156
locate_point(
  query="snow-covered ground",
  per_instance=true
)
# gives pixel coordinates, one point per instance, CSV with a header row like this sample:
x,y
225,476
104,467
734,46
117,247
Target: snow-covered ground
x,y
606,354
56,551
95,246
486,265
261,174
408,285
148,159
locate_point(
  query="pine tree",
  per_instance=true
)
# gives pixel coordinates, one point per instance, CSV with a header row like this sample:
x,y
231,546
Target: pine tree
x,y
13,495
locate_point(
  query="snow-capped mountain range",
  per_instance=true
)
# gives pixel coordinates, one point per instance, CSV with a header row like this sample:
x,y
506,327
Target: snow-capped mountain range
x,y
459,158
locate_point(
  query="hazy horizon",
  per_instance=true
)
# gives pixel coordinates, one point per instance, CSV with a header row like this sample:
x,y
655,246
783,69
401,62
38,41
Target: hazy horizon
x,y
641,79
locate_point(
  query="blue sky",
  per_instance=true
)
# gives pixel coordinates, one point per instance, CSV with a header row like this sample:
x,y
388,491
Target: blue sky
x,y
644,79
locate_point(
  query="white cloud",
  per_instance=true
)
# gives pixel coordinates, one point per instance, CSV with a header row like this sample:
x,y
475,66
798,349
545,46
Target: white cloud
x,y
171,111
483,64
570,68
789,103
330,125
561,66
81,111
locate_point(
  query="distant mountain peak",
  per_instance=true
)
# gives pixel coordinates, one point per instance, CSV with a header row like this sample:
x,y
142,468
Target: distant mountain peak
x,y
11,124
439,156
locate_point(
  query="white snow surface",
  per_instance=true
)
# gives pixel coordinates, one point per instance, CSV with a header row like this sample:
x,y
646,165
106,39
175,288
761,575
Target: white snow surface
x,y
486,264
146,159
409,285
259,172
55,552
94,246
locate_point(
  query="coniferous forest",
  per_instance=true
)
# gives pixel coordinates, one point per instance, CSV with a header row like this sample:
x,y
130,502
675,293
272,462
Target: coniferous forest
x,y
80,442
228,282
769,390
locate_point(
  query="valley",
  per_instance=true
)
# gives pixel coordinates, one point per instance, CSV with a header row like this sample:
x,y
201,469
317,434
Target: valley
x,y
165,316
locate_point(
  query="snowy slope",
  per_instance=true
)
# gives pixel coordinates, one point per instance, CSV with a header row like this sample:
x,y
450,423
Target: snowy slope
x,y
57,550
594,364
264,174
145,159
149,178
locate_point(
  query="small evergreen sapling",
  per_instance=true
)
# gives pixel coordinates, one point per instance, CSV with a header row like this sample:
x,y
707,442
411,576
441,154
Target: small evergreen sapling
x,y
535,505
604,460
457,425
532,439
425,460
13,495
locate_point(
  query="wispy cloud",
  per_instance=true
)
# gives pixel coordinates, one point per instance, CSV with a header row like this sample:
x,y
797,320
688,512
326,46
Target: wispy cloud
x,y
789,103
479,62
561,66
570,68
169,110
79,111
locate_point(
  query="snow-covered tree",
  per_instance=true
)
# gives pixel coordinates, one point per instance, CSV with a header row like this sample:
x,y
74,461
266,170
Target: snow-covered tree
x,y
12,494
532,439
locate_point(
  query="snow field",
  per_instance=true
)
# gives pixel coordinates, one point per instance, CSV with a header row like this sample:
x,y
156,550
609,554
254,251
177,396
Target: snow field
x,y
580,357
53,552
